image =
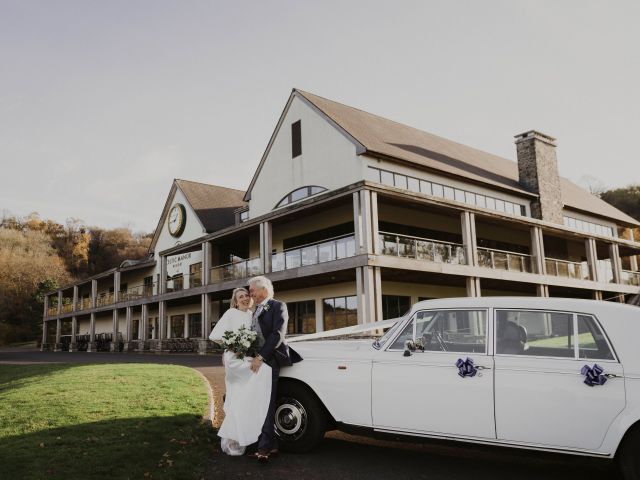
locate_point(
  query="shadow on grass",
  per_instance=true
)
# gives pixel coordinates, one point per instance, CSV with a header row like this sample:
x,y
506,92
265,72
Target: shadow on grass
x,y
152,447
15,376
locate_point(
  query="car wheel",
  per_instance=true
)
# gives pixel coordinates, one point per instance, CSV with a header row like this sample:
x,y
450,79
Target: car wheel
x,y
629,455
300,418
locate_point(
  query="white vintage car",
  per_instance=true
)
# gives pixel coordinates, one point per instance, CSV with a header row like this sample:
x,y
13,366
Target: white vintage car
x,y
554,374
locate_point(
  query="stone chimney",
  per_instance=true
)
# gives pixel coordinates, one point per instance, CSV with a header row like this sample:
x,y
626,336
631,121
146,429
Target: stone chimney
x,y
538,173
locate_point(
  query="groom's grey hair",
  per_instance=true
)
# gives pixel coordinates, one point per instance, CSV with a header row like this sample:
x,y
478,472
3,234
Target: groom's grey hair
x,y
262,282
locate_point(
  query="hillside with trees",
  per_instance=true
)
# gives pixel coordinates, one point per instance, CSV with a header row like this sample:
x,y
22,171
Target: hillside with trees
x,y
38,255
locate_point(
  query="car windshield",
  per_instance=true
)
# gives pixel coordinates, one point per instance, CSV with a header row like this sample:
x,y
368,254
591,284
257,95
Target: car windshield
x,y
379,343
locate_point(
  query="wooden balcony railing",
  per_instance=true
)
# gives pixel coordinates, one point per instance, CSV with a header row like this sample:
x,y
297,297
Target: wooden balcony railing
x,y
504,260
105,299
52,311
137,292
422,248
567,269
67,305
84,304
314,253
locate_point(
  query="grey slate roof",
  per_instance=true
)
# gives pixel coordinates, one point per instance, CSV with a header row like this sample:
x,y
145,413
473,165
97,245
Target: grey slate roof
x,y
394,140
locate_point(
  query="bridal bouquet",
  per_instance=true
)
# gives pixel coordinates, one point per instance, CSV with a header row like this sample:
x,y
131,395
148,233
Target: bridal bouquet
x,y
242,341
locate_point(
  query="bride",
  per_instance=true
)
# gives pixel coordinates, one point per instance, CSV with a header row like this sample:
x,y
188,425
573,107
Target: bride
x,y
247,393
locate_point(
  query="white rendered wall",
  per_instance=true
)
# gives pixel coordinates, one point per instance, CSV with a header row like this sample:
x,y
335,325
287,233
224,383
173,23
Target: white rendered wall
x,y
328,160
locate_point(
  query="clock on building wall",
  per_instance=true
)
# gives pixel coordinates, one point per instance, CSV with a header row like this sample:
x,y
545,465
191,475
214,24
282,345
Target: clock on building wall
x,y
177,220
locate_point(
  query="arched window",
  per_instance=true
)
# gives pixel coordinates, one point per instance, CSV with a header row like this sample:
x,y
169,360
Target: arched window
x,y
299,194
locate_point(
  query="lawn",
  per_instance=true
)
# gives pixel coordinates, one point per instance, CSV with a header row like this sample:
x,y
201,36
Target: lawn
x,y
103,421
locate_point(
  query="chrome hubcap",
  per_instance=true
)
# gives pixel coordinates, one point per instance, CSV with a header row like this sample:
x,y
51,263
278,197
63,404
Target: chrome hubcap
x,y
291,419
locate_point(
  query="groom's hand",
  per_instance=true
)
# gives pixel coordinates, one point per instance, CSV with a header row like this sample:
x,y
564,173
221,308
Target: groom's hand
x,y
256,363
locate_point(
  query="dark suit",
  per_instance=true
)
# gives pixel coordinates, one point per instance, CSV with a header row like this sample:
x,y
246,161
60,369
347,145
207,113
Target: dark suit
x,y
273,322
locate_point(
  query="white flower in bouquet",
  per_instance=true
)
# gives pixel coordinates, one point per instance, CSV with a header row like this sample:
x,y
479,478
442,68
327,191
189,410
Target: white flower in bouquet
x,y
242,342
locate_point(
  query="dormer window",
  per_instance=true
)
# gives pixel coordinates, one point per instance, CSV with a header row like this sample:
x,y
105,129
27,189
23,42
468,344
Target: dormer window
x,y
299,194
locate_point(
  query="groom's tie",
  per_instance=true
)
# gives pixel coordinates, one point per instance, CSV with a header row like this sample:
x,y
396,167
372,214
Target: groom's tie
x,y
255,324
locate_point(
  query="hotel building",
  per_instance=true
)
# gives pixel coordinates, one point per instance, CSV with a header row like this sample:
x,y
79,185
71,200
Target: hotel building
x,y
354,217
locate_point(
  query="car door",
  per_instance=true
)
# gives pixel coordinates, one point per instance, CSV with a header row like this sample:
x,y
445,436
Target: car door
x,y
540,391
424,391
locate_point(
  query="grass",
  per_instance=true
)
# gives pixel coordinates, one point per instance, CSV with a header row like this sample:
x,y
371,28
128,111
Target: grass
x,y
102,421
585,341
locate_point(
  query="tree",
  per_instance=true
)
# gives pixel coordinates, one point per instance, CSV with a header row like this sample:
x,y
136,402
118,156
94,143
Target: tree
x,y
626,199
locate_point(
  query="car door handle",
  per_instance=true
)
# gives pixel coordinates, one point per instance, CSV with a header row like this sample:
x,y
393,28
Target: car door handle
x,y
482,367
612,375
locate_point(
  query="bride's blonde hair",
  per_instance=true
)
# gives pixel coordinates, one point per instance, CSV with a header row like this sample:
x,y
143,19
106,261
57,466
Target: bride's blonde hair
x,y
234,302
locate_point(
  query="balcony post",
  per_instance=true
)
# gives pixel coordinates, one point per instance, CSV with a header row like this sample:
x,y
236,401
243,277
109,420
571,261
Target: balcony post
x,y
596,294
160,330
633,261
357,222
616,264
360,295
205,319
592,259
116,287
114,335
266,246
206,263
128,318
44,346
375,230
473,287
75,298
59,302
143,331
162,283
94,293
57,346
74,332
46,306
538,263
365,213
468,225
319,314
377,283
542,291
92,332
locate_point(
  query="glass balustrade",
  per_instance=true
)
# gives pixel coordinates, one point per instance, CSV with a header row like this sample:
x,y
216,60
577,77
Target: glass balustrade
x,y
236,270
421,248
567,269
630,278
504,260
312,254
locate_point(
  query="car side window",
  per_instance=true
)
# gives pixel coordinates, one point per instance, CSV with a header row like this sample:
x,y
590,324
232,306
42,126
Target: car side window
x,y
446,331
534,333
592,343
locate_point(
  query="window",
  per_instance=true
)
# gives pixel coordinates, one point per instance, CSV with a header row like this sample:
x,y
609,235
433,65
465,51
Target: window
x,y
541,334
394,306
414,184
299,194
592,344
340,312
244,216
425,187
195,275
148,286
296,139
400,181
463,331
373,174
386,178
459,195
177,326
195,325
302,317
438,190
135,329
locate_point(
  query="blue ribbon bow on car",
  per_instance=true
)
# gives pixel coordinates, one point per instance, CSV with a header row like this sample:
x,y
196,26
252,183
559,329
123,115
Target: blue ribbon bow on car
x,y
593,375
466,368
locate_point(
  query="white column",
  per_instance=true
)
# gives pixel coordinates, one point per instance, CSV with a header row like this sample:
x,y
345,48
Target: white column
x,y
319,315
162,314
473,287
56,347
44,334
206,262
74,331
75,298
365,214
94,293
59,302
633,261
468,224
370,294
537,251
205,308
162,283
597,295
375,231
360,295
592,258
542,290
92,332
46,306
357,222
143,331
616,264
116,287
185,325
377,279
114,328
168,329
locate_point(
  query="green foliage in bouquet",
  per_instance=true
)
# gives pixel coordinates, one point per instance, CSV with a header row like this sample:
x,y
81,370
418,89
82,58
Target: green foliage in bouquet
x,y
242,342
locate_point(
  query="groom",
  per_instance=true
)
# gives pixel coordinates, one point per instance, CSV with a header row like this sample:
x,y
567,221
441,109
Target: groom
x,y
270,321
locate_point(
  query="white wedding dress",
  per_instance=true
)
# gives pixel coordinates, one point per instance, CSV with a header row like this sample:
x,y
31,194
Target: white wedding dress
x,y
247,393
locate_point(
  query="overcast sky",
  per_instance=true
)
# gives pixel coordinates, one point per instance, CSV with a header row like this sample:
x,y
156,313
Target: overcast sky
x,y
103,103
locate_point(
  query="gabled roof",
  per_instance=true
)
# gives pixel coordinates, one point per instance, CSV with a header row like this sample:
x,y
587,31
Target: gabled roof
x,y
213,205
379,136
